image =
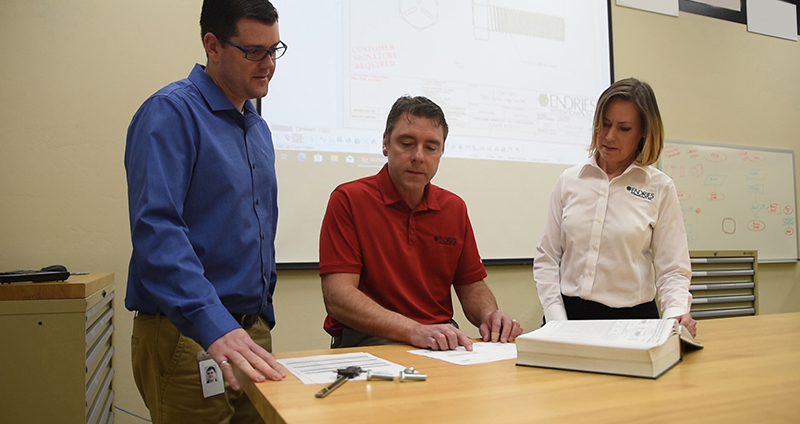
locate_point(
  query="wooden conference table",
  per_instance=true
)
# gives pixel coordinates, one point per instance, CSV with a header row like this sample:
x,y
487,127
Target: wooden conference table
x,y
749,371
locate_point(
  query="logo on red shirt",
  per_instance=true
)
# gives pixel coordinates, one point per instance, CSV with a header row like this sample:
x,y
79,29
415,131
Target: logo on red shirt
x,y
447,241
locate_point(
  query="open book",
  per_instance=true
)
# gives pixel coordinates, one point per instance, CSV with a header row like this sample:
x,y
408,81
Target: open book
x,y
687,341
639,348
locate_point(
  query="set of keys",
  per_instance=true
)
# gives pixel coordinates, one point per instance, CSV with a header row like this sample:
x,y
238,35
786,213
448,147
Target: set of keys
x,y
349,373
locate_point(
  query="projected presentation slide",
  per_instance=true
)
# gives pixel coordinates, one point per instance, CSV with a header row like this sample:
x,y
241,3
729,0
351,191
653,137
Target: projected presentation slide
x,y
518,80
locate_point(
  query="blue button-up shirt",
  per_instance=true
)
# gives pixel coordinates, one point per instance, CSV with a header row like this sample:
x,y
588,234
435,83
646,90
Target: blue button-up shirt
x,y
202,195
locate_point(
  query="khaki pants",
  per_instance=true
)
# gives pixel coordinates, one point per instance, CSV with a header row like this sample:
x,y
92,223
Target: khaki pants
x,y
166,371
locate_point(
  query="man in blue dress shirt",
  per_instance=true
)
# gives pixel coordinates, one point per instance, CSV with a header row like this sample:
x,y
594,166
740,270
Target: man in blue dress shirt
x,y
203,211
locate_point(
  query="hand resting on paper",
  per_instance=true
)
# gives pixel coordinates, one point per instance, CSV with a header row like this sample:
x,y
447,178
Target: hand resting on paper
x,y
439,337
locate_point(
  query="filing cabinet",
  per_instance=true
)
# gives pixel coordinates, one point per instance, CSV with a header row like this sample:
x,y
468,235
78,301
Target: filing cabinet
x,y
724,283
57,351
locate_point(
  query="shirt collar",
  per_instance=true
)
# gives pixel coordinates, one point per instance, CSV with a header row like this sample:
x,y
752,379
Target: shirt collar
x,y
592,163
391,196
211,92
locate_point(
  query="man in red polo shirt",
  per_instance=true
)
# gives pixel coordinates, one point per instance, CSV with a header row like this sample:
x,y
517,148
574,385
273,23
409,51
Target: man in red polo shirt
x,y
393,244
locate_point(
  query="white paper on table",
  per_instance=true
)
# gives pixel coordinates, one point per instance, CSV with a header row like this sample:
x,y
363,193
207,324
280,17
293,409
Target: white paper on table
x,y
481,353
321,369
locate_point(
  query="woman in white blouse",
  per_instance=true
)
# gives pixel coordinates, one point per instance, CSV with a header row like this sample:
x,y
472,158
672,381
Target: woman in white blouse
x,y
614,234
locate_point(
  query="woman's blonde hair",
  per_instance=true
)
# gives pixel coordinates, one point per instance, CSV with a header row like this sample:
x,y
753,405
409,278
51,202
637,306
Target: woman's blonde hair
x,y
642,95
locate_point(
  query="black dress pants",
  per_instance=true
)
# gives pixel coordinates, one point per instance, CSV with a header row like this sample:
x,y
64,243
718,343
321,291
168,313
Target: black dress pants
x,y
582,309
578,308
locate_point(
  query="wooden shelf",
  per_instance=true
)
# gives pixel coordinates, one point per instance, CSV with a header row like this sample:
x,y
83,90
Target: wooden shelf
x,y
75,287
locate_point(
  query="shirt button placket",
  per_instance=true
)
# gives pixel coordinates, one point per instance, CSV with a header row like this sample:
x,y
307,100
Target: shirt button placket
x,y
411,228
594,241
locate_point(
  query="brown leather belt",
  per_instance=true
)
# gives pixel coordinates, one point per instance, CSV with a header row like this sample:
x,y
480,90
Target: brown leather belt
x,y
246,320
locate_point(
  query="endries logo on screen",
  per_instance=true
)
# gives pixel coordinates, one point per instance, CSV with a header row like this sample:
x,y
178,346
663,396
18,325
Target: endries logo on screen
x,y
574,105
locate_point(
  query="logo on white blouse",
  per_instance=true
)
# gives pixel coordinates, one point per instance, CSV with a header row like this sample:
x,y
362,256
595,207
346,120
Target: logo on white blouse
x,y
641,193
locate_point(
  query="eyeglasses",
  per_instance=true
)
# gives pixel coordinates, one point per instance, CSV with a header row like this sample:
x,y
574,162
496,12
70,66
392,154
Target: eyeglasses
x,y
257,54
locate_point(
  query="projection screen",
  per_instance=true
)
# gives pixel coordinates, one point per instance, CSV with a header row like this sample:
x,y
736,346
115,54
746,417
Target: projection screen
x,y
518,81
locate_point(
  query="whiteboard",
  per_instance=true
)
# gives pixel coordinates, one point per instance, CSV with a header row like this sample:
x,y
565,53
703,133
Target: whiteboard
x,y
735,197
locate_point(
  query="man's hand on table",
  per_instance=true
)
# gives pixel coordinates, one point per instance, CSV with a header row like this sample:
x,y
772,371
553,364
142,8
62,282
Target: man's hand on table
x,y
237,348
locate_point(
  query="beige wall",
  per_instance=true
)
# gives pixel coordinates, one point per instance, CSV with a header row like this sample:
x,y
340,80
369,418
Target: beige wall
x,y
73,73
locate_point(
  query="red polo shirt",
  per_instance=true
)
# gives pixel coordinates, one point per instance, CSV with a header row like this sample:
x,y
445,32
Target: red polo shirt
x,y
407,259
